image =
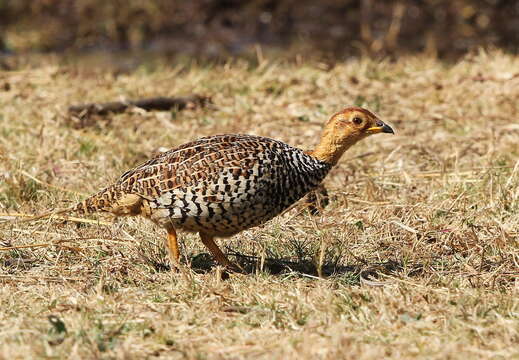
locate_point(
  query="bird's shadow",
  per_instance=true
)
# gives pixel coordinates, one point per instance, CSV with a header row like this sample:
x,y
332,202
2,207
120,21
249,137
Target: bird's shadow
x,y
352,274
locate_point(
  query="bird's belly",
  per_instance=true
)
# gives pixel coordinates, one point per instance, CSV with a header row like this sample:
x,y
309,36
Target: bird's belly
x,y
229,221
222,218
224,213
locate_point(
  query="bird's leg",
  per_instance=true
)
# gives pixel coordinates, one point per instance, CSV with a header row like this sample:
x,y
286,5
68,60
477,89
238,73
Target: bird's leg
x,y
208,241
172,244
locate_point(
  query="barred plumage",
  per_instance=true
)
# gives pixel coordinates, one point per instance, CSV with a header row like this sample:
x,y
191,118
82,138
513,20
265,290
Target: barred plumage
x,y
223,184
220,184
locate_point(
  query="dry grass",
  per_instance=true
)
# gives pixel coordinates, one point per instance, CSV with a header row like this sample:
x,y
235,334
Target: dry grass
x,y
431,214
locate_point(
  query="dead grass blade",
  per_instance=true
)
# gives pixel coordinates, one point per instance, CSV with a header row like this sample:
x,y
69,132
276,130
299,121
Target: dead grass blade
x,y
30,218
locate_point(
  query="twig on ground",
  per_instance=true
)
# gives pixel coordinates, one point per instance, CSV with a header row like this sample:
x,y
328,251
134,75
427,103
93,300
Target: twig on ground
x,y
156,103
9,216
37,278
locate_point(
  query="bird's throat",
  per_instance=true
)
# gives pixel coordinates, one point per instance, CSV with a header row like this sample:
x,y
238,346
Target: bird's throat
x,y
330,151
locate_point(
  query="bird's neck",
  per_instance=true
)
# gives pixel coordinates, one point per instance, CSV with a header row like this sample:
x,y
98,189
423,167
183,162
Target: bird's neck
x,y
329,150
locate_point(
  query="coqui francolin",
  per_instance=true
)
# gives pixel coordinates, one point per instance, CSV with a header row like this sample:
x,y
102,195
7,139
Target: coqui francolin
x,y
223,184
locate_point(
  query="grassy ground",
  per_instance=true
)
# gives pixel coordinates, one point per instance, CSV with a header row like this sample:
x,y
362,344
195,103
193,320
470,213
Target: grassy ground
x,y
421,234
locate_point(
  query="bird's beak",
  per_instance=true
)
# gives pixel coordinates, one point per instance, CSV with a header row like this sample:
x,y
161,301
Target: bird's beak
x,y
380,127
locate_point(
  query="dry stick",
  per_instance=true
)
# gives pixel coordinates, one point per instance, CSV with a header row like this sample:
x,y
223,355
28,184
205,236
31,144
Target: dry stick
x,y
30,218
31,246
373,283
7,248
156,103
37,217
37,278
58,243
83,238
321,258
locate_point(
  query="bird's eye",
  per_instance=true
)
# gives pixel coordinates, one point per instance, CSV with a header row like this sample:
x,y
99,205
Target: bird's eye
x,y
357,120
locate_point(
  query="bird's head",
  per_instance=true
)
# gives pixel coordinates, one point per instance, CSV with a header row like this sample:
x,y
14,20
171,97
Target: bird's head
x,y
344,129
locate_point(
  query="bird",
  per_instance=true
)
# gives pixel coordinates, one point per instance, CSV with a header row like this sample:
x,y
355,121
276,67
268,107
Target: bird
x,y
220,185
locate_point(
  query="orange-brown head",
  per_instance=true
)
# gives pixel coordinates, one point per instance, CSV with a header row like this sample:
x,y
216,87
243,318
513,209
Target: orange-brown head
x,y
344,129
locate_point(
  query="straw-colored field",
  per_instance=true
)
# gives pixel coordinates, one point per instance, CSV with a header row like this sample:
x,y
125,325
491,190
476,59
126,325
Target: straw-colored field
x,y
420,239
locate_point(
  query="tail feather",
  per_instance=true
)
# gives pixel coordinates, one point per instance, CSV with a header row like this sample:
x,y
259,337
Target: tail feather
x,y
111,199
100,201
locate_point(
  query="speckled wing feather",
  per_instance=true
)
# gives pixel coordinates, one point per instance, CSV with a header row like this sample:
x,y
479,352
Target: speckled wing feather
x,y
202,161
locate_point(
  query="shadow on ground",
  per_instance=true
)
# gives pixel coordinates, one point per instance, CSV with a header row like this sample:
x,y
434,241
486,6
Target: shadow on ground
x,y
354,274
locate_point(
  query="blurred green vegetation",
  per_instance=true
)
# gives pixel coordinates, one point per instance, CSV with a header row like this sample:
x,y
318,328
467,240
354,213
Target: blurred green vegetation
x,y
210,28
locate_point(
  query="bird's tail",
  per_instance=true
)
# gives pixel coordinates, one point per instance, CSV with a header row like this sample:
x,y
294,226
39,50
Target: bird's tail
x,y
114,200
110,199
103,200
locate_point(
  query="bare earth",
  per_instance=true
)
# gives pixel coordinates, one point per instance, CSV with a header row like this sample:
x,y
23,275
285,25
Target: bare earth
x,y
420,240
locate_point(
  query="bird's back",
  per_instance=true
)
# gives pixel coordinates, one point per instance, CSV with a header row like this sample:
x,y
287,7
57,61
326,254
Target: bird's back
x,y
221,184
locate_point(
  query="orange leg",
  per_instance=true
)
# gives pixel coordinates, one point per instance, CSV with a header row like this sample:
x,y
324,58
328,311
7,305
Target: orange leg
x,y
208,241
174,253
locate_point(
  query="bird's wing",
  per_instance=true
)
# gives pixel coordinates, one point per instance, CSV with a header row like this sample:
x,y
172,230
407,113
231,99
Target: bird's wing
x,y
215,167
